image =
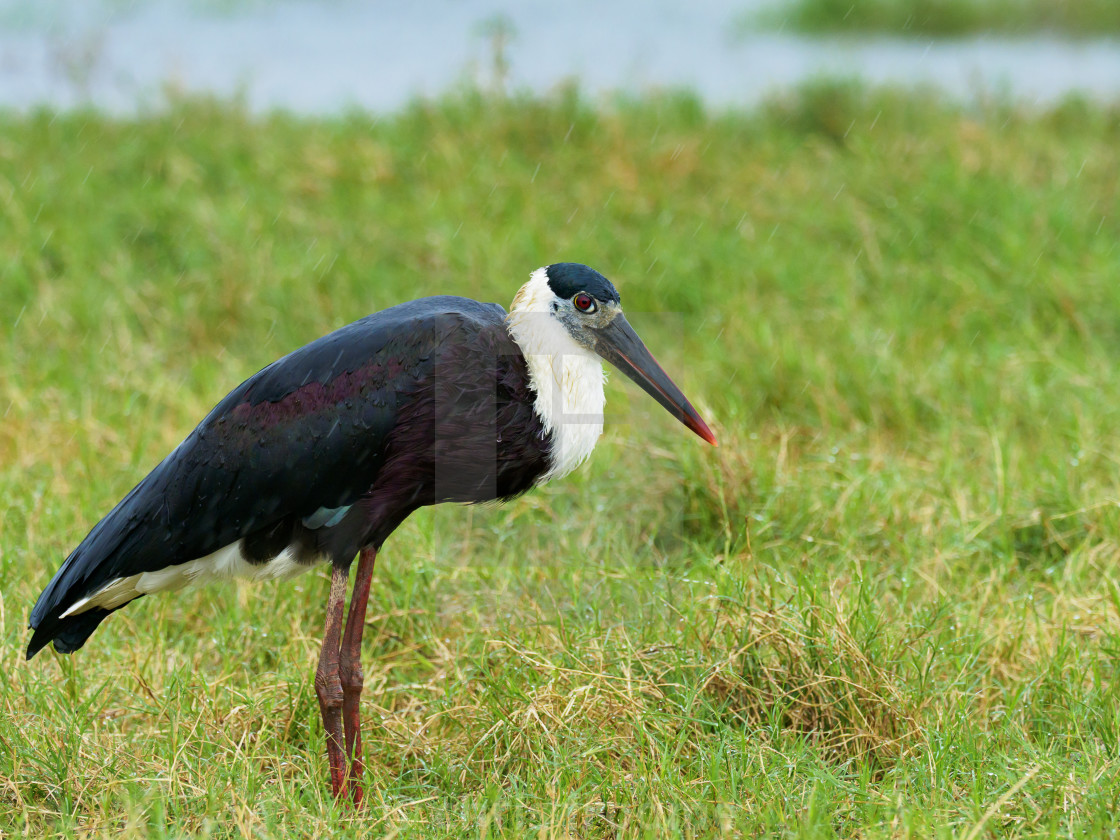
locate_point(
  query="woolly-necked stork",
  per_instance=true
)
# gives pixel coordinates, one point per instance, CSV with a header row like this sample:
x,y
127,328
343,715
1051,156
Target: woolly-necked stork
x,y
322,454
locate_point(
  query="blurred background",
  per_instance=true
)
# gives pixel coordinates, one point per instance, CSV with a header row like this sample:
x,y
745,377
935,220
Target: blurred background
x,y
320,56
877,244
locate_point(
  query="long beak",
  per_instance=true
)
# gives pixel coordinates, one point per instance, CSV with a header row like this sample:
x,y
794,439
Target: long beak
x,y
620,345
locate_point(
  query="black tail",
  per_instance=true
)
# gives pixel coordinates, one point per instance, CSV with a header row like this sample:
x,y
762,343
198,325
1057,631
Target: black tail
x,y
68,634
101,557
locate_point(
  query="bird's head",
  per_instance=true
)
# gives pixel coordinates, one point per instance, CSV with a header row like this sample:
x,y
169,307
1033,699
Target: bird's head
x,y
571,301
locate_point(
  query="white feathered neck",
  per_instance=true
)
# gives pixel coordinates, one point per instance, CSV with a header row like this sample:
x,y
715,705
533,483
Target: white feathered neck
x,y
567,378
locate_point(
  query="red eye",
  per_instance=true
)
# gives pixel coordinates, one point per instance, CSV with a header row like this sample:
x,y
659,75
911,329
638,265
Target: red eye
x,y
584,302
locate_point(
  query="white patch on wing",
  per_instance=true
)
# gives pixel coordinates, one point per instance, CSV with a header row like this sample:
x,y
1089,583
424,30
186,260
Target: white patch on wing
x,y
567,378
227,562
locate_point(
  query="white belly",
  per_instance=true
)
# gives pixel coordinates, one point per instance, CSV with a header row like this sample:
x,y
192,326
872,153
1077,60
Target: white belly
x,y
225,563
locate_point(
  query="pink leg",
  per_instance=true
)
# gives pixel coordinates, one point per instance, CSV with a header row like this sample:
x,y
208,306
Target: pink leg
x,y
328,685
350,665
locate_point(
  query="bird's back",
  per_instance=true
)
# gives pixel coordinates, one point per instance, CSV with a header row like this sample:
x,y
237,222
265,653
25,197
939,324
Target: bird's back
x,y
281,464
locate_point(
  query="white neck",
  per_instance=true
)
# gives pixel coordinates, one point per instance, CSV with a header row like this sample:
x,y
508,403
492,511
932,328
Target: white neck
x,y
567,378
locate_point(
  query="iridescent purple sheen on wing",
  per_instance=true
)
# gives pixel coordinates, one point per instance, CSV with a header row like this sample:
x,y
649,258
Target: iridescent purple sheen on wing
x,y
432,395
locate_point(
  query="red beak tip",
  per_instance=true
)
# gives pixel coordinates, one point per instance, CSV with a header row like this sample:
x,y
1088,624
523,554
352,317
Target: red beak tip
x,y
701,429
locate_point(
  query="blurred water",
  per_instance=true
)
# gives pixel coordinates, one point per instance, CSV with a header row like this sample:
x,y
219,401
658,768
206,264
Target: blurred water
x,y
320,56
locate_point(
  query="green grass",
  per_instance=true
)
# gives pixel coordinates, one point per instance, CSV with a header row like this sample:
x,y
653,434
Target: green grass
x,y
886,606
948,18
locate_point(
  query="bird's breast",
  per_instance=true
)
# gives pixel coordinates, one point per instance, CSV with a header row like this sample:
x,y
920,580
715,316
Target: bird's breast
x,y
566,380
569,400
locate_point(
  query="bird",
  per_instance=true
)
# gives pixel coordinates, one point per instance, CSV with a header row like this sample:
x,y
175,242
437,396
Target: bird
x,y
321,455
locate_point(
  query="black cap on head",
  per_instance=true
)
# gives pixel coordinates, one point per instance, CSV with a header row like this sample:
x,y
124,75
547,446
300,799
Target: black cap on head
x,y
566,279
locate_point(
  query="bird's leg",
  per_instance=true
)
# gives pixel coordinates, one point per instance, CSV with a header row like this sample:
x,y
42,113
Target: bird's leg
x,y
350,672
327,683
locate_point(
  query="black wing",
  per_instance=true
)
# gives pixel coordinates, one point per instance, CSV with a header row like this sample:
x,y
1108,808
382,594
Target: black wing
x,y
305,433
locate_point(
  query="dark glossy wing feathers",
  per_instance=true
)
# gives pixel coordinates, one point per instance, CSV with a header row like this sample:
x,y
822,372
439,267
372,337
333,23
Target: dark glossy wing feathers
x,y
307,432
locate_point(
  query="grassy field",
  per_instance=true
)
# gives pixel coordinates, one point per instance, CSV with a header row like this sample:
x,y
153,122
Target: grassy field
x,y
886,606
947,18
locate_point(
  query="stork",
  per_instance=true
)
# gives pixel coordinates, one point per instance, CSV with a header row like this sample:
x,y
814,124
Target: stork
x,y
322,454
